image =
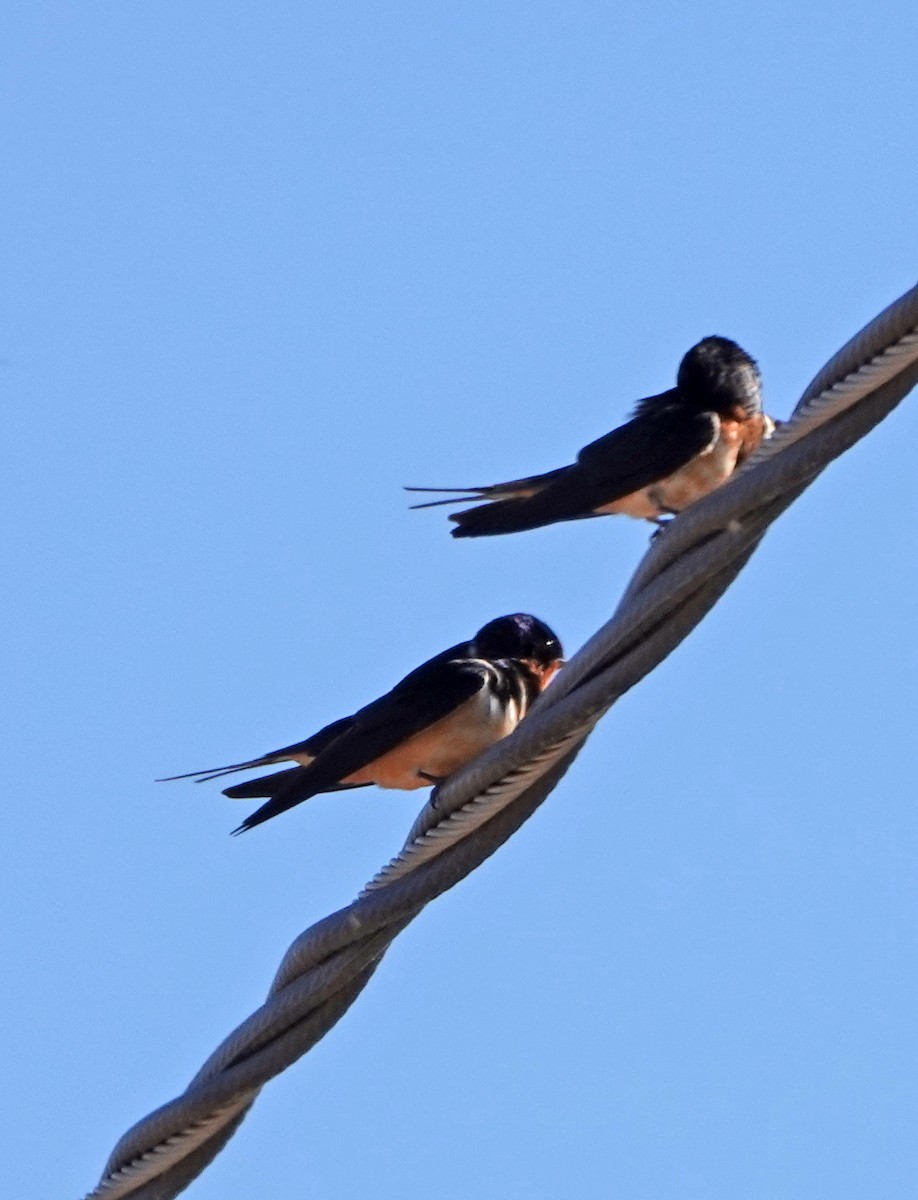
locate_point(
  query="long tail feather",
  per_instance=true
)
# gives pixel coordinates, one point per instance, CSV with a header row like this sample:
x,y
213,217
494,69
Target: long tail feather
x,y
440,503
215,772
466,495
511,489
470,489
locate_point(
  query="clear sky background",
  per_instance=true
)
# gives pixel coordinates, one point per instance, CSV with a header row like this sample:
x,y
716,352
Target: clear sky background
x,y
264,264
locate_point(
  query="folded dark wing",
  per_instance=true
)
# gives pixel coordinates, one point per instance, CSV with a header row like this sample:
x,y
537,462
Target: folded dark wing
x,y
425,696
422,698
645,450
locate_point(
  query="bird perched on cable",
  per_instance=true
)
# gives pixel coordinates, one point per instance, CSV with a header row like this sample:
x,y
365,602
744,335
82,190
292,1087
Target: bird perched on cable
x,y
677,447
436,719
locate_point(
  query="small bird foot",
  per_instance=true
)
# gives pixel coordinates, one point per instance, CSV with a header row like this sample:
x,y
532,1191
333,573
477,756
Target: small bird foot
x,y
435,780
664,519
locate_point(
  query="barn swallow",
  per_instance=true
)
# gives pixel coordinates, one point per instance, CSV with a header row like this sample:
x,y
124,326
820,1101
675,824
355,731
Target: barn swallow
x,y
677,447
436,719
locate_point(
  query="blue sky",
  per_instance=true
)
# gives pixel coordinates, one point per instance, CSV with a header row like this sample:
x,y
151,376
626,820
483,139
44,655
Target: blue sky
x,y
263,265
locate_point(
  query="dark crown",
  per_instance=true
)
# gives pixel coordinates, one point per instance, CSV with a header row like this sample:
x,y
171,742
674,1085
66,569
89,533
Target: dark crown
x,y
717,374
519,635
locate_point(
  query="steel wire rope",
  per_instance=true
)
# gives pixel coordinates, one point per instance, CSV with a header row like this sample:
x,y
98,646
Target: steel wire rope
x,y
680,578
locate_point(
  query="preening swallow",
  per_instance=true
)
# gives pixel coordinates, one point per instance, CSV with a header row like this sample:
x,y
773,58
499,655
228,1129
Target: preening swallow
x,y
677,447
436,719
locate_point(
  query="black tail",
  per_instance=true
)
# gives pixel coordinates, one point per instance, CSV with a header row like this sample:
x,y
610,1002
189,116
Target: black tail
x,y
441,503
216,772
514,516
458,495
285,788
264,785
270,785
512,489
312,746
503,516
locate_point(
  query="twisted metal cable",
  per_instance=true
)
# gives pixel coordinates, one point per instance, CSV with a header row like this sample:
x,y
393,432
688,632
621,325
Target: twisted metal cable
x,y
686,570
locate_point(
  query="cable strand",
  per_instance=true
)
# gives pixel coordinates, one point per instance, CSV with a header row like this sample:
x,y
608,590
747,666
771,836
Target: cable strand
x,y
477,809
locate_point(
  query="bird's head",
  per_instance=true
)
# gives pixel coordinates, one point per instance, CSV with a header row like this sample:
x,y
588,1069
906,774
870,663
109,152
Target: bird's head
x,y
717,375
525,638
